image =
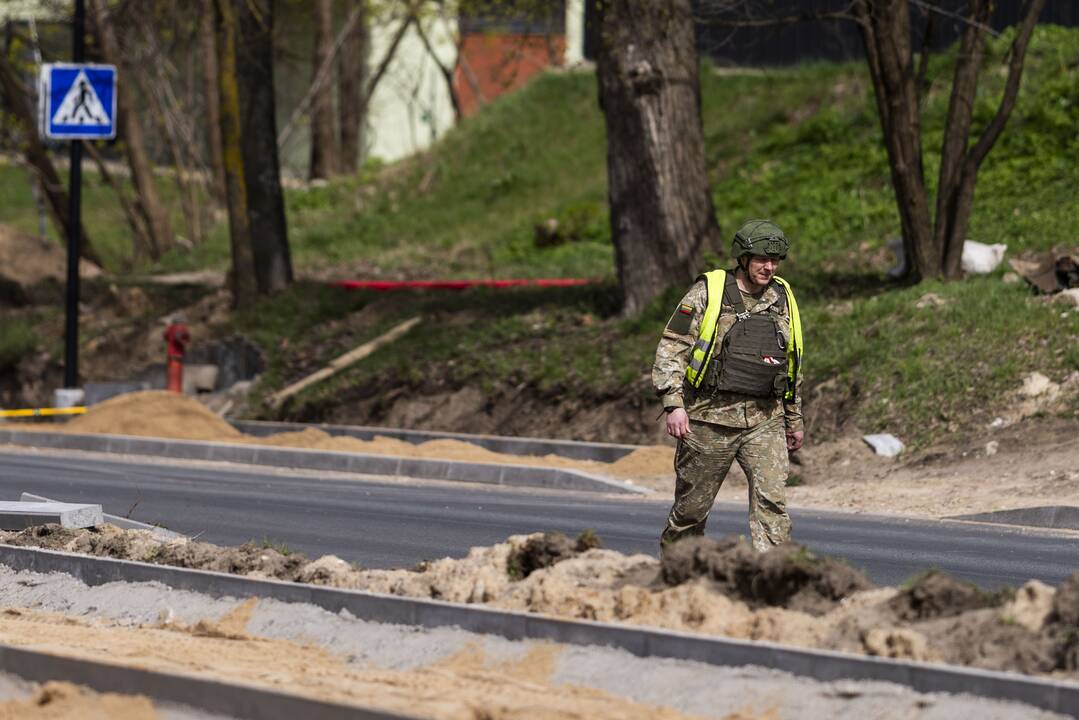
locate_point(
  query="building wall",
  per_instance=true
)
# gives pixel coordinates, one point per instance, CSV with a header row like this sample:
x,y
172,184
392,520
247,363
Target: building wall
x,y
412,108
496,63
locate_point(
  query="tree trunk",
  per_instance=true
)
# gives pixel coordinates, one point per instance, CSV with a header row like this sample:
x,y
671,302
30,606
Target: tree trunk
x,y
17,102
208,50
142,171
958,211
661,207
265,202
351,78
242,274
885,28
323,138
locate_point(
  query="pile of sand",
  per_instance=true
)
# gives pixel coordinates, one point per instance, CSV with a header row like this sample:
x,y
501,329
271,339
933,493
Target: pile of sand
x,y
642,463
704,586
153,413
156,413
64,701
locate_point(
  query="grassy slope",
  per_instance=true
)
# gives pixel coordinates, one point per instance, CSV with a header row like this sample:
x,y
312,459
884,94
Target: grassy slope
x,y
800,145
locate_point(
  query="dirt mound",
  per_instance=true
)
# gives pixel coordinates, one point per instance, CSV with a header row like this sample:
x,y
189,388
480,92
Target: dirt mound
x,y
28,259
788,576
113,542
153,413
546,550
936,595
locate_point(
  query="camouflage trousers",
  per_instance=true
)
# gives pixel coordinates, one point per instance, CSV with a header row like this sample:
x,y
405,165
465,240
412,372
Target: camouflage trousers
x,y
701,463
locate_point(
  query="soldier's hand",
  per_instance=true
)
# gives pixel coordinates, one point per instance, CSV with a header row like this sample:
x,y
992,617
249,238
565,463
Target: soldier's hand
x,y
794,440
678,423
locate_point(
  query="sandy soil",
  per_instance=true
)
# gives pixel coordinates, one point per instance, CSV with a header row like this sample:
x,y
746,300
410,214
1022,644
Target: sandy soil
x,y
464,686
64,701
704,586
1023,461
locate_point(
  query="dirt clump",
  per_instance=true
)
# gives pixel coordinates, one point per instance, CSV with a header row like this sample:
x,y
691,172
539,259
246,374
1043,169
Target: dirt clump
x,y
787,576
1064,623
113,542
547,549
937,595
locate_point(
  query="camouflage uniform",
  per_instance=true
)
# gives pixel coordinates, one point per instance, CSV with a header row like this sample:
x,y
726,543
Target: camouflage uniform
x,y
726,427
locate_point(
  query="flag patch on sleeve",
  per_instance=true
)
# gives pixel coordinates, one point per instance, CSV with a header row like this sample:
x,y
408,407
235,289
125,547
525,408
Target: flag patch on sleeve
x,y
681,320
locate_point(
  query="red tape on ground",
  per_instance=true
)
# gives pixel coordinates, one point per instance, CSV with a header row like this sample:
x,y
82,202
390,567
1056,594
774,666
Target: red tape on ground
x,y
459,284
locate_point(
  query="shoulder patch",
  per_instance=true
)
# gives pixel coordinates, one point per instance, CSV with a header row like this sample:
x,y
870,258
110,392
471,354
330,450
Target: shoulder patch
x,y
681,320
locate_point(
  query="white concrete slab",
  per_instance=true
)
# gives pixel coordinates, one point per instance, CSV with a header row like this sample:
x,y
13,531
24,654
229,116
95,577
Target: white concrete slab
x,y
19,515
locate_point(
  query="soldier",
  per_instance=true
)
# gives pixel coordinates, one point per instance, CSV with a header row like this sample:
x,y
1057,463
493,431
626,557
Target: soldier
x,y
728,371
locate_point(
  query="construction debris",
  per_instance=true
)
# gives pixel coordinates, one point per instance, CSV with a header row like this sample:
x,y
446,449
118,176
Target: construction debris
x,y
1048,272
884,444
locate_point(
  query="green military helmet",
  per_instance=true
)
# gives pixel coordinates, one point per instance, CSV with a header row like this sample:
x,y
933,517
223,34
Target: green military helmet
x,y
760,237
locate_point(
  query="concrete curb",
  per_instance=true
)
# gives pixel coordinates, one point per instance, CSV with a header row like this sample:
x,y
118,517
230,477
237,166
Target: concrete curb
x,y
422,468
122,522
238,700
1056,696
1057,517
600,452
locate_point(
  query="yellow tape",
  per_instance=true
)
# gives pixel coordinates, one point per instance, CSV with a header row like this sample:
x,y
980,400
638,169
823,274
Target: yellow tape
x,y
42,412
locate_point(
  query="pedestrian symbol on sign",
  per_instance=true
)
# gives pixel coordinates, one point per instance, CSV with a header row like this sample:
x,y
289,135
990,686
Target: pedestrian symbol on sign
x,y
81,105
78,101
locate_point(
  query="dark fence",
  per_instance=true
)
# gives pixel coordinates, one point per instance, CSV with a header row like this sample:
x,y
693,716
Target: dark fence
x,y
727,44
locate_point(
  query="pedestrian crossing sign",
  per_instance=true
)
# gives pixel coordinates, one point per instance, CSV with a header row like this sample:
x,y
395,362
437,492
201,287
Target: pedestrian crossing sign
x,y
77,101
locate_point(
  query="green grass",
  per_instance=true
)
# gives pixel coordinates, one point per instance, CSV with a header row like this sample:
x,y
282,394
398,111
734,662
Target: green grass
x,y
17,339
102,215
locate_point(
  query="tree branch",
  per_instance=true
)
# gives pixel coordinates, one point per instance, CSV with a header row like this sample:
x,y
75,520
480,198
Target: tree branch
x,y
1032,9
320,78
930,8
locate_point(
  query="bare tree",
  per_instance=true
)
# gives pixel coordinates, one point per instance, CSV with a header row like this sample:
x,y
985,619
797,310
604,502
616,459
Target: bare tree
x,y
324,147
142,169
933,241
351,78
262,172
661,207
208,53
241,275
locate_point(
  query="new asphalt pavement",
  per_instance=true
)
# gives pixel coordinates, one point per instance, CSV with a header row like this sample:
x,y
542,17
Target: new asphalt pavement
x,y
397,523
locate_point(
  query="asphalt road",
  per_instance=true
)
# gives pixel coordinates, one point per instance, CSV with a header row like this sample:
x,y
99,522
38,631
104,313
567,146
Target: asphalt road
x,y
397,524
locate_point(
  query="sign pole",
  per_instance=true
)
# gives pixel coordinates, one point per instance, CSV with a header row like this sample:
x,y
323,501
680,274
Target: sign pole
x,y
71,334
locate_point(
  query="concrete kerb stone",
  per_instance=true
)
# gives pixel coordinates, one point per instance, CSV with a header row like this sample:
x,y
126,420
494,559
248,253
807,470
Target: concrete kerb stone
x,y
423,468
24,513
116,520
577,450
1053,695
1060,517
239,700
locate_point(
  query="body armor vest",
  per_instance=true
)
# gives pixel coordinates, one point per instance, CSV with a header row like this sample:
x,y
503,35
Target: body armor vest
x,y
752,356
753,352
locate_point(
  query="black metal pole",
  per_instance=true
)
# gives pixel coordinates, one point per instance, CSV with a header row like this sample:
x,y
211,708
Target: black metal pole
x,y
71,324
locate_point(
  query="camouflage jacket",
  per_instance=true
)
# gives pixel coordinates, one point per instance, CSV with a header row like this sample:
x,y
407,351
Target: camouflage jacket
x,y
727,409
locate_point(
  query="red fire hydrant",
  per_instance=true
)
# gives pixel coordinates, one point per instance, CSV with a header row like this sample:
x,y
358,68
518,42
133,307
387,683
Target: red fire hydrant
x,y
177,337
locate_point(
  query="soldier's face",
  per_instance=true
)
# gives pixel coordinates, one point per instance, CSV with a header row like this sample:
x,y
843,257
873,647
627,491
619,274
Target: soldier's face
x,y
761,269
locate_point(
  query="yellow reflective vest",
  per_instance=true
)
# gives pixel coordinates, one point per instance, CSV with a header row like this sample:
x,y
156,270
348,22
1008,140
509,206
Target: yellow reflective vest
x,y
701,353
